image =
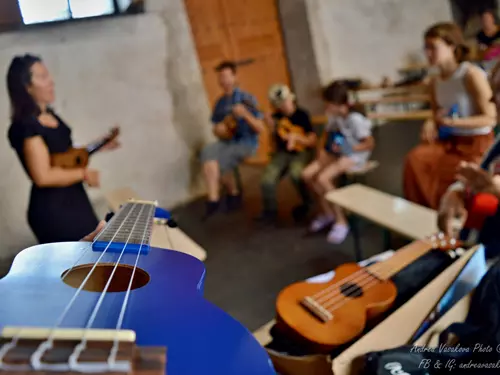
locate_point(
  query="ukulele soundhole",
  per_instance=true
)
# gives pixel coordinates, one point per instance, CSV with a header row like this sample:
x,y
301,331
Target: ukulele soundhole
x,y
78,160
351,290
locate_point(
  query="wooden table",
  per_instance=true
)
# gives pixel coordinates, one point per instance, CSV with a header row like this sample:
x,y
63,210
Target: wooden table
x,y
392,213
163,236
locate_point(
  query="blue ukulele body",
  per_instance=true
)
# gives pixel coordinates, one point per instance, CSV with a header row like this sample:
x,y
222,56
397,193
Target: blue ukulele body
x,y
168,311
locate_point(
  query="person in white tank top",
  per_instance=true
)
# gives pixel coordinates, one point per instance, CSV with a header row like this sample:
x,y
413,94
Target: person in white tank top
x,y
463,118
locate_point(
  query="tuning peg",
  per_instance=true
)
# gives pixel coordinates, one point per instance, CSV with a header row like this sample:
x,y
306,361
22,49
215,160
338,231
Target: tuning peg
x,y
460,251
452,254
109,216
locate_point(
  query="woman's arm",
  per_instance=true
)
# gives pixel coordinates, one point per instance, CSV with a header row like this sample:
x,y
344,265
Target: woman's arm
x,y
42,173
429,131
480,91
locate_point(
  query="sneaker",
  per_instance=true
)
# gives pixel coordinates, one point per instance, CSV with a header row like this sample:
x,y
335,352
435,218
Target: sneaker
x,y
338,234
211,209
320,223
234,202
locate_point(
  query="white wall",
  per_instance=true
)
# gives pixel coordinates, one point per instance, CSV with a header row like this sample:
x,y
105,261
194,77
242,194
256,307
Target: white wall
x,y
370,38
138,71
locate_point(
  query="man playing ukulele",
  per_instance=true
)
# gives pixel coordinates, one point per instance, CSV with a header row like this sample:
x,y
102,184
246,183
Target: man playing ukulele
x,y
237,123
294,138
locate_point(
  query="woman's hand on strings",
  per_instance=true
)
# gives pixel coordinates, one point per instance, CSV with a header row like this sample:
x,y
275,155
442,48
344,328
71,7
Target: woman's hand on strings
x,y
91,236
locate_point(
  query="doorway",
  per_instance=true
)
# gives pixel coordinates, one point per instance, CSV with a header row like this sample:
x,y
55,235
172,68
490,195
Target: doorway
x,y
246,31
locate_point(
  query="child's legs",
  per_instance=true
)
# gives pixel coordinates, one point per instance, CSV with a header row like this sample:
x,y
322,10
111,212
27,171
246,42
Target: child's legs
x,y
296,167
325,180
270,179
311,172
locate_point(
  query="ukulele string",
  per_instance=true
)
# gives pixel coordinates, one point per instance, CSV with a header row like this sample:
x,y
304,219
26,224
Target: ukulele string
x,y
73,359
332,297
15,339
114,349
353,288
343,300
48,344
326,291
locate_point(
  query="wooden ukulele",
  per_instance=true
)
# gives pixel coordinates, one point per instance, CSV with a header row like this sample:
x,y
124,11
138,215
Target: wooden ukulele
x,y
118,305
79,157
323,316
231,121
284,127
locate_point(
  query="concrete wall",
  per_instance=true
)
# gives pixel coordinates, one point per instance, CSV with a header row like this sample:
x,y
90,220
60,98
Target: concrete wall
x,y
138,71
300,53
370,38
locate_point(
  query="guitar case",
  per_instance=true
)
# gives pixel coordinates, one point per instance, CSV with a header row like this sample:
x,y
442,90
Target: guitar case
x,y
471,347
408,281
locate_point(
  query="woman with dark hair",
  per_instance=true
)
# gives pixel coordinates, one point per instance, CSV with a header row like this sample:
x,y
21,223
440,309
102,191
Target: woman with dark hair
x,y
59,208
488,38
463,118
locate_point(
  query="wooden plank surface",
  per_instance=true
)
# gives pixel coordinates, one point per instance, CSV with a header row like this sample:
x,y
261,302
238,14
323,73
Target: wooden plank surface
x,y
387,116
396,214
162,236
412,98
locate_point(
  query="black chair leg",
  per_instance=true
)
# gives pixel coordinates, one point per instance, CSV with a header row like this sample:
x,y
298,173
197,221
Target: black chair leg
x,y
358,252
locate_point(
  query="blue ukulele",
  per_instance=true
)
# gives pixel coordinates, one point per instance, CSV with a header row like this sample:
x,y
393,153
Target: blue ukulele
x,y
118,305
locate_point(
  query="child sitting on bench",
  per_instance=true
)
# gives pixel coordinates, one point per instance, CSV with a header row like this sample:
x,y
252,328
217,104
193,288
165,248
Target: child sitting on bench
x,y
348,144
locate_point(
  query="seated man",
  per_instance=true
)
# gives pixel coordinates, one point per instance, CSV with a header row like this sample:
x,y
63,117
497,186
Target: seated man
x,y
237,122
294,138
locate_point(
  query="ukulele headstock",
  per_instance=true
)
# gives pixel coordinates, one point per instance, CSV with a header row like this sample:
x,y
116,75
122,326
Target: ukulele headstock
x,y
450,245
115,132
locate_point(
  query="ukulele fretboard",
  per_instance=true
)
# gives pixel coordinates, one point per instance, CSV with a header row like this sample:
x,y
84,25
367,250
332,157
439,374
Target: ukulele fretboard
x,y
130,229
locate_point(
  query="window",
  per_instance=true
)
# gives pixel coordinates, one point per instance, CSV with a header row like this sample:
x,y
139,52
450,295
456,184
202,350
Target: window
x,y
39,11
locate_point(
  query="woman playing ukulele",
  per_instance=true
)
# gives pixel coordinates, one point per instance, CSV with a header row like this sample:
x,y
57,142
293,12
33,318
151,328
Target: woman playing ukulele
x,y
59,208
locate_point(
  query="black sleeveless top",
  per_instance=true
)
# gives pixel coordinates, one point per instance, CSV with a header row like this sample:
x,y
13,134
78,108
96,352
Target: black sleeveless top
x,y
55,214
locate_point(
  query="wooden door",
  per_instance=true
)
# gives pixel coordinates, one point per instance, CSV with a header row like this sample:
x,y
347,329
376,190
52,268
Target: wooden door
x,y
241,30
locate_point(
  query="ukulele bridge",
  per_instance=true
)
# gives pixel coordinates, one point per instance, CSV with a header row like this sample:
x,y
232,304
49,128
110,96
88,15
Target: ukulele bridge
x,y
316,309
28,349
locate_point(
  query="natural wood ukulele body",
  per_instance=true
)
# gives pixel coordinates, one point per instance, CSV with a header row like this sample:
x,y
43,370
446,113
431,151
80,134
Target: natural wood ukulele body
x,y
350,316
323,316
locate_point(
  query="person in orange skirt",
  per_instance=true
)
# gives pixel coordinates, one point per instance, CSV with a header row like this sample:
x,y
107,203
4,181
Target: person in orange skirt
x,y
463,118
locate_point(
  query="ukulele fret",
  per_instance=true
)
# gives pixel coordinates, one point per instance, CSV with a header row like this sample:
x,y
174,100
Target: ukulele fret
x,y
130,229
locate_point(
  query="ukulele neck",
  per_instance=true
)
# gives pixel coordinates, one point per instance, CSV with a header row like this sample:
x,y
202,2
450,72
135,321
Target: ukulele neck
x,y
129,231
400,259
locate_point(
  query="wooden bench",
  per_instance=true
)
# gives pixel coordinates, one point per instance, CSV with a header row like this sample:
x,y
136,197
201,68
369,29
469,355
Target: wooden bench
x,y
392,213
163,237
